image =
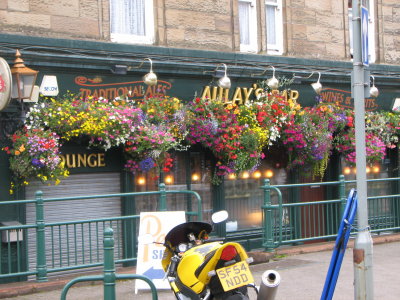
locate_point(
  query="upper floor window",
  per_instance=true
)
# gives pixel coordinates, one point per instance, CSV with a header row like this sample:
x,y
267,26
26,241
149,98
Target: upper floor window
x,y
248,25
274,26
132,21
369,4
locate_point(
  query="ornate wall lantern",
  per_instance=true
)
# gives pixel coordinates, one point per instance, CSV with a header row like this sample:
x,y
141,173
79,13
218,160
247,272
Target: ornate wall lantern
x,y
23,79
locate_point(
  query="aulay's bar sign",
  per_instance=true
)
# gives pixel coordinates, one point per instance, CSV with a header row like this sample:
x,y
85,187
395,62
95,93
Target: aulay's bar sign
x,y
241,95
133,89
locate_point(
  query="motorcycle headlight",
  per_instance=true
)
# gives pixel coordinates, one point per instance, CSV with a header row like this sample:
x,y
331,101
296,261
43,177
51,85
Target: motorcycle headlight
x,y
182,247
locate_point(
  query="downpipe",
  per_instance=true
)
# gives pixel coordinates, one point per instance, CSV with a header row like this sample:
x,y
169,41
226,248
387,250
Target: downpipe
x,y
270,281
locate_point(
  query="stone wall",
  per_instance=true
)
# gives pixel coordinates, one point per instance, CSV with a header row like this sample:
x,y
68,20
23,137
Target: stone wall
x,y
78,19
389,31
317,29
312,29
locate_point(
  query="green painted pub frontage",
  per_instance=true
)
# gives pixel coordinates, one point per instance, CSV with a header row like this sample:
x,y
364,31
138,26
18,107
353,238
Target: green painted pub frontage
x,y
110,70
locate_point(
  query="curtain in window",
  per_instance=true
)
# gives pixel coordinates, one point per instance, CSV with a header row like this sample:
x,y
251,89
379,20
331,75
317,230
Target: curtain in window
x,y
271,23
128,17
244,22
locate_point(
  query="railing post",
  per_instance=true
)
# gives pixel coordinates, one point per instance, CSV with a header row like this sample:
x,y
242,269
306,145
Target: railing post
x,y
163,197
109,267
41,266
268,242
342,195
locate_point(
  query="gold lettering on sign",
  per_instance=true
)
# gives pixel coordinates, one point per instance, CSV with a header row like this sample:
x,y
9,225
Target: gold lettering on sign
x,y
237,97
247,94
242,95
83,160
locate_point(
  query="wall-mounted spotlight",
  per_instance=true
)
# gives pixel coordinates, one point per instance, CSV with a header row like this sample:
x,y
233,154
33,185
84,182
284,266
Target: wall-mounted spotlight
x,y
224,82
272,82
317,86
150,78
373,91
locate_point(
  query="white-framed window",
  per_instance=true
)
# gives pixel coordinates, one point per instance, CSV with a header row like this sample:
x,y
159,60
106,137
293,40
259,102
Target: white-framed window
x,y
132,21
248,25
274,26
371,28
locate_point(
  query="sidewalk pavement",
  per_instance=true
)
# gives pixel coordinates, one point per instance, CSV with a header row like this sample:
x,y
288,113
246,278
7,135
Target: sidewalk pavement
x,y
302,269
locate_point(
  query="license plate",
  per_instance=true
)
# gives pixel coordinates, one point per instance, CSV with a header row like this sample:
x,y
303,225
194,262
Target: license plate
x,y
235,276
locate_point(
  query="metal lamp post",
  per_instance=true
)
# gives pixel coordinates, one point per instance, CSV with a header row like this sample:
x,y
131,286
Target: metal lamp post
x,y
362,253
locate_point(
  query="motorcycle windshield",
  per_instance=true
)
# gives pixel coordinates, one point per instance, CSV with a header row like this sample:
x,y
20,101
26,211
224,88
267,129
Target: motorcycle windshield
x,y
179,234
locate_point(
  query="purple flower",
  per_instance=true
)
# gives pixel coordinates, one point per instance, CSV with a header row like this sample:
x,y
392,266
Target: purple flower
x,y
37,163
146,164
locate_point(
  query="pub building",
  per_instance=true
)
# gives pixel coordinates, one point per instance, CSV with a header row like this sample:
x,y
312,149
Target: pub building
x,y
106,70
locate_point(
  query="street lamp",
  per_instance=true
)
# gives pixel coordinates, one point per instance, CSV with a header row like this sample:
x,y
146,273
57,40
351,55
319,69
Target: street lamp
x,y
362,251
23,79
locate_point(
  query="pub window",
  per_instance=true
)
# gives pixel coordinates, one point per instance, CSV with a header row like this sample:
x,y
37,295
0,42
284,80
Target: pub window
x,y
248,25
132,21
371,28
274,26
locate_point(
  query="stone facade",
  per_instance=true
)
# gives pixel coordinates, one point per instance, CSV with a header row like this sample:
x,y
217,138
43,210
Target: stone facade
x,y
312,29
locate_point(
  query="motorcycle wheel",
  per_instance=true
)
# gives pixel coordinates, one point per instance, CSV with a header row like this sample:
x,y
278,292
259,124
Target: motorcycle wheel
x,y
237,294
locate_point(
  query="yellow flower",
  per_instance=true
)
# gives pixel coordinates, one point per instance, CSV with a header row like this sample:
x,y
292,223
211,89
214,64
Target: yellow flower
x,y
57,181
22,148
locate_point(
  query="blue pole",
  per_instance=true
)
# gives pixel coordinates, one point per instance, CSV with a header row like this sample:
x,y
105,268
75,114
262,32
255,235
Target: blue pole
x,y
340,246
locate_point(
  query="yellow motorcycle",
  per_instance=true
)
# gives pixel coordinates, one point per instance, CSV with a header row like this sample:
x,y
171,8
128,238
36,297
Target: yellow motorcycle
x,y
198,267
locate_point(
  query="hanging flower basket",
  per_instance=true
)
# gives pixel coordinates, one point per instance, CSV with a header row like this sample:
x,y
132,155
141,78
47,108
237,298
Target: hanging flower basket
x,y
149,130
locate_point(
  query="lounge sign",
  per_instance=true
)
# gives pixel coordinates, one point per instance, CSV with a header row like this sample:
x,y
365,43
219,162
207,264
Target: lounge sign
x,y
83,160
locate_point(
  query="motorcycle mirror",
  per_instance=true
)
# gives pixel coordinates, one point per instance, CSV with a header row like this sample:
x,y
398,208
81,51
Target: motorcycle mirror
x,y
145,239
219,216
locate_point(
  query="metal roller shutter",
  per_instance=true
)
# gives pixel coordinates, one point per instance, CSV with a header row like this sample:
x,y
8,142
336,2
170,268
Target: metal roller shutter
x,y
62,247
